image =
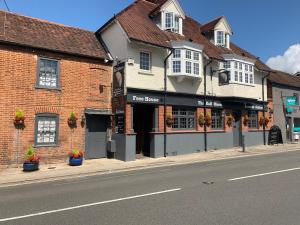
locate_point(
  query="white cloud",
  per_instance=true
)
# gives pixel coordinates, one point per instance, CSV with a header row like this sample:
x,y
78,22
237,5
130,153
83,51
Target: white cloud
x,y
288,62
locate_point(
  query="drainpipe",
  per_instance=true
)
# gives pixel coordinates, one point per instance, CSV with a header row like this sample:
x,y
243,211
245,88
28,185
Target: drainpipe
x,y
165,103
263,98
204,100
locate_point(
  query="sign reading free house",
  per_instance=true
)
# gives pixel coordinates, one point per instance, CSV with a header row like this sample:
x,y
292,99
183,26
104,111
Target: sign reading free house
x,y
291,101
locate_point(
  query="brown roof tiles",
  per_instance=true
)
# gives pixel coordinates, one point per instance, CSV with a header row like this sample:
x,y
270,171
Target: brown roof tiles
x,y
287,79
138,25
36,33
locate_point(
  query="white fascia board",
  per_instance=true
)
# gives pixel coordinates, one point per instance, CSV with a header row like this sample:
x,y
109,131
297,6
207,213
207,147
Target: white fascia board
x,y
177,5
226,25
187,45
238,58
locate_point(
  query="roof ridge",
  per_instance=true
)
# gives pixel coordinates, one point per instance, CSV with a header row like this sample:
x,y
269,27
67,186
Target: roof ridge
x,y
45,21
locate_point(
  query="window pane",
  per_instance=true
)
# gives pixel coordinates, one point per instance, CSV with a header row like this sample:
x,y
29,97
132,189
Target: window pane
x,y
253,119
169,20
177,53
246,78
217,119
220,38
236,77
183,118
196,68
240,66
176,24
46,130
176,66
188,54
188,67
241,77
144,61
196,55
48,73
251,79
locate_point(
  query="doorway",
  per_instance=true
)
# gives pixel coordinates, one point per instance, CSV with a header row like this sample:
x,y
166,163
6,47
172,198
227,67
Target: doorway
x,y
237,128
96,136
143,117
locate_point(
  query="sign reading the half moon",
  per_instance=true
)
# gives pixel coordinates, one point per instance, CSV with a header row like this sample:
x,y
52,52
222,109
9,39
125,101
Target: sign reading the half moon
x,y
118,80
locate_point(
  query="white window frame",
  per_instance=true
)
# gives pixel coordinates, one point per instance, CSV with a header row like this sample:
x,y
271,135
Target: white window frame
x,y
175,23
193,61
149,61
220,38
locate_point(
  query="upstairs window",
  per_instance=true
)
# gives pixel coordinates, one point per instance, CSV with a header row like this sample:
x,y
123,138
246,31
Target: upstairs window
x,y
240,72
220,38
145,61
185,61
172,22
48,73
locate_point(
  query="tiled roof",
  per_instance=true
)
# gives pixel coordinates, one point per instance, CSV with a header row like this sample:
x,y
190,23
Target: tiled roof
x,y
138,25
210,25
36,33
280,77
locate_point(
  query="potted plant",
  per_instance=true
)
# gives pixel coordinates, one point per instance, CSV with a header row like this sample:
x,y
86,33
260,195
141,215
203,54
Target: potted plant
x,y
31,162
169,120
19,120
72,120
75,158
229,120
208,120
201,119
246,120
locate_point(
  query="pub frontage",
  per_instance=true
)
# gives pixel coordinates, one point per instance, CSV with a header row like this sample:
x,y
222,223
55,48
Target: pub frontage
x,y
139,123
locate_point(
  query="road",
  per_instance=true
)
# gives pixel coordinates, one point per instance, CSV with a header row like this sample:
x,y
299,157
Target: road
x,y
244,191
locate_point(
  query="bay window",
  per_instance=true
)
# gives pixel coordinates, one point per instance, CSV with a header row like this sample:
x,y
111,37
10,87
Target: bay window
x,y
185,62
240,72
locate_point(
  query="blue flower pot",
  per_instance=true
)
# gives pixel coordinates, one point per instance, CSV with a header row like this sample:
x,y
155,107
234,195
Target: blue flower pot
x,y
28,167
75,161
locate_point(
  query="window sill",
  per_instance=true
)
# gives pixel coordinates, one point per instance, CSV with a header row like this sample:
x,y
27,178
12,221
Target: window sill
x,y
46,146
146,73
244,84
48,88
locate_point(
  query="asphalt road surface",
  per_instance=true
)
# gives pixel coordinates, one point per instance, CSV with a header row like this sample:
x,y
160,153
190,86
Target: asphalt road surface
x,y
260,190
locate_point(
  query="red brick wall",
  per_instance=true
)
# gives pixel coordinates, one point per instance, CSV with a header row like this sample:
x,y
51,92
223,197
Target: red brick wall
x,y
79,78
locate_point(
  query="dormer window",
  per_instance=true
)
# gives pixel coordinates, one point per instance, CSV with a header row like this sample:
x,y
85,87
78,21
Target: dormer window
x,y
172,22
221,38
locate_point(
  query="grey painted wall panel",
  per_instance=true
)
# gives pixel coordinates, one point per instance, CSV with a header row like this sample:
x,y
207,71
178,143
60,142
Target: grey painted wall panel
x,y
125,147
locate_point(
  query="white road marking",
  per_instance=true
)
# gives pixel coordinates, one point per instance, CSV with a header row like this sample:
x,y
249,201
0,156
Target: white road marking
x,y
88,205
264,174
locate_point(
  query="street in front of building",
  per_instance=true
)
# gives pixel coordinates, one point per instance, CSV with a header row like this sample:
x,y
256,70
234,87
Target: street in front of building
x,y
253,190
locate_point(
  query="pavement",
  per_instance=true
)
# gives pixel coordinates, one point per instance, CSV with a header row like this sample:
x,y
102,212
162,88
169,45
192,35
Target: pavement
x,y
261,189
48,172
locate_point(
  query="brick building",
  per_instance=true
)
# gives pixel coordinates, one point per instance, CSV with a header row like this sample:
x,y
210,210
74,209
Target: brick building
x,y
49,70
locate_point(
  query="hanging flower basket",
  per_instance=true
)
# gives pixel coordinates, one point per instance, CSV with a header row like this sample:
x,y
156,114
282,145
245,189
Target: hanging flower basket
x,y
264,121
19,120
169,120
72,120
208,120
201,120
229,120
246,120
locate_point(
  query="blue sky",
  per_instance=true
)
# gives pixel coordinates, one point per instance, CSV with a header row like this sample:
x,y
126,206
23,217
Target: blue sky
x,y
266,28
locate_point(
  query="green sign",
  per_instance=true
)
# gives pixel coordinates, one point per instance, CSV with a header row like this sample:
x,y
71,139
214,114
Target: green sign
x,y
291,101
